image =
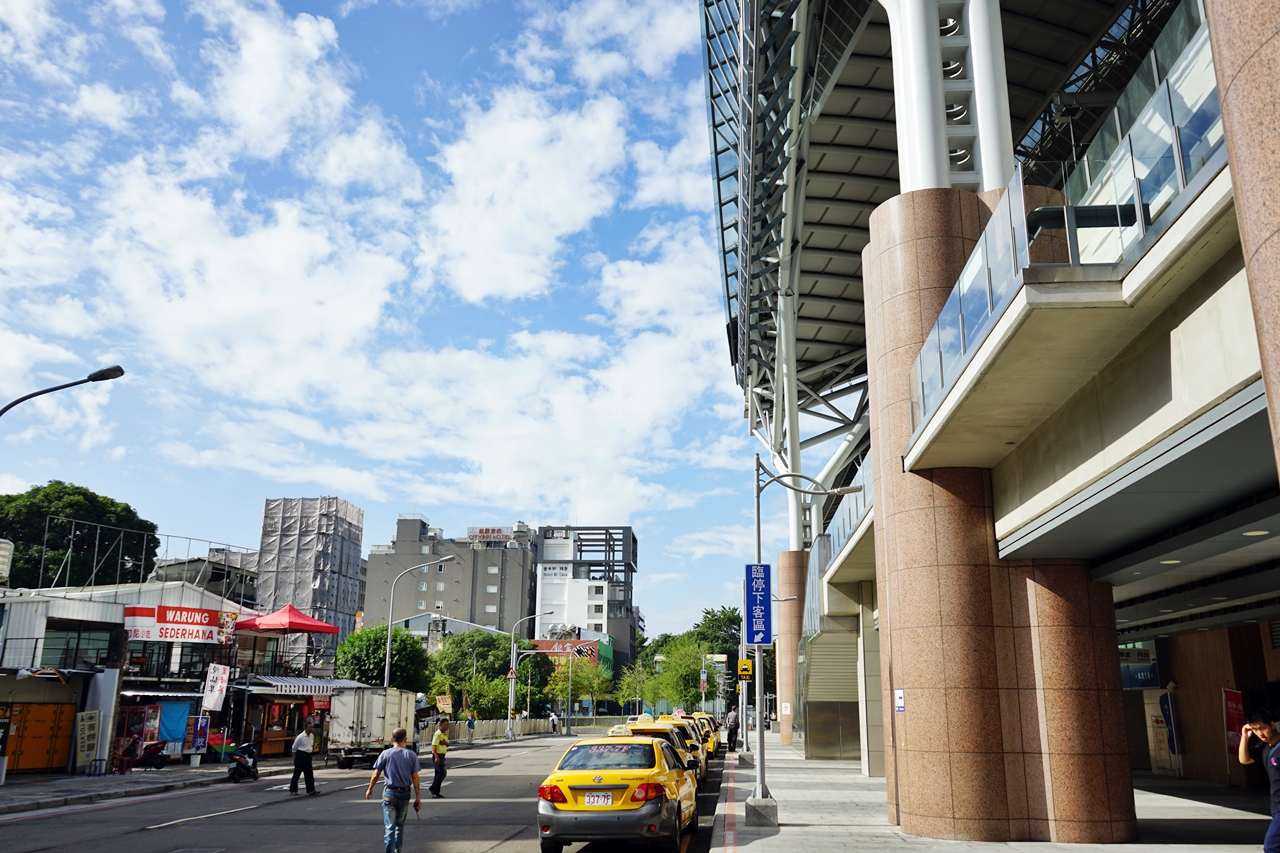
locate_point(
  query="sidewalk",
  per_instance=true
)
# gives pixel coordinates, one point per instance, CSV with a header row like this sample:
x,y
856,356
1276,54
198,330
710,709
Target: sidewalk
x,y
24,792
828,806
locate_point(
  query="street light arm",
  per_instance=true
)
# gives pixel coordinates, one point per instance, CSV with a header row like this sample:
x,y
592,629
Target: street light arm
x,y
113,372
391,605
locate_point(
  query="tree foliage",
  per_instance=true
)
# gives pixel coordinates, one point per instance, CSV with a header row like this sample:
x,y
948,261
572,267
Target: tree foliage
x,y
678,677
590,681
362,657
127,554
720,631
472,669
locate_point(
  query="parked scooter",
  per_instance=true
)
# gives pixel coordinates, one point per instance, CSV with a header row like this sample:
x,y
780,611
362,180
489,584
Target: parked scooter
x,y
153,756
243,764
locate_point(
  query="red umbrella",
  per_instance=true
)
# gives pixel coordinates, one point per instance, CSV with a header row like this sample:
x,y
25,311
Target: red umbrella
x,y
286,620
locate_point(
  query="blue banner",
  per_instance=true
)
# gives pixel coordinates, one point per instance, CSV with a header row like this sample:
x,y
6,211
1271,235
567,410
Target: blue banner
x,y
759,605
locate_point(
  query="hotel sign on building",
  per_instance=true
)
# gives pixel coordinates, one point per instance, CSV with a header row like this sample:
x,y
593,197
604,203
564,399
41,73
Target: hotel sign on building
x,y
489,534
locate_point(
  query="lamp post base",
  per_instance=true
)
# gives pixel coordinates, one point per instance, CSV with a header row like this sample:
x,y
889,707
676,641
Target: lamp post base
x,y
762,811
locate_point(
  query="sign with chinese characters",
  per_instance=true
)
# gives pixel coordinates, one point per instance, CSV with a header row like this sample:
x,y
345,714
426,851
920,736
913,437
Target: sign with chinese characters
x,y
759,605
1233,714
197,737
215,686
581,648
87,737
179,624
488,534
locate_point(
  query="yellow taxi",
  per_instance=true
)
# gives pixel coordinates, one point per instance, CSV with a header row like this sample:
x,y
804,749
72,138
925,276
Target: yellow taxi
x,y
704,729
692,741
714,729
618,789
647,726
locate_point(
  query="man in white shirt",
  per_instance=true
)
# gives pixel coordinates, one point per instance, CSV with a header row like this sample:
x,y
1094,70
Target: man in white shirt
x,y
303,745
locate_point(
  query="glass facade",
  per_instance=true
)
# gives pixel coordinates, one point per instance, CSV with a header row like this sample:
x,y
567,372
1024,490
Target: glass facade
x,y
1165,129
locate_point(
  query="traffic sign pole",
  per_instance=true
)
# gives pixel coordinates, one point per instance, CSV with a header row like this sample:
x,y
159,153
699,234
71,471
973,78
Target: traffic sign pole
x,y
761,791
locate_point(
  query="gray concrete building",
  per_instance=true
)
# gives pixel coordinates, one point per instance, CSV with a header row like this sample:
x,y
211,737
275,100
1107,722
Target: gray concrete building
x,y
490,583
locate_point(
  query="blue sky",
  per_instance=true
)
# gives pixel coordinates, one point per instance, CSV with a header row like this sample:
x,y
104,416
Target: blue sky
x,y
450,257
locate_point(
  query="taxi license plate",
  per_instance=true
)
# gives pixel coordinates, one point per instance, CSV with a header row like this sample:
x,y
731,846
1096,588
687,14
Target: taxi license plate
x,y
600,799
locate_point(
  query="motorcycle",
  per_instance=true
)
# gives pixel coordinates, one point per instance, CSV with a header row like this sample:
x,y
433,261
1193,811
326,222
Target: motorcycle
x,y
152,755
243,764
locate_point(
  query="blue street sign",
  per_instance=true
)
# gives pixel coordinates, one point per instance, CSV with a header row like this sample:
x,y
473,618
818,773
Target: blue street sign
x,y
759,605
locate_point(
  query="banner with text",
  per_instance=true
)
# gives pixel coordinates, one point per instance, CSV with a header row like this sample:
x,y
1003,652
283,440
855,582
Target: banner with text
x,y
215,686
179,624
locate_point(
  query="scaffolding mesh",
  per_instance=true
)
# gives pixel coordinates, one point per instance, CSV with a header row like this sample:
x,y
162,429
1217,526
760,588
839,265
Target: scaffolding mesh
x,y
310,558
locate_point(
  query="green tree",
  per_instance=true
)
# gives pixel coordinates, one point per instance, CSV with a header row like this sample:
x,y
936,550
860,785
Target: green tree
x,y
472,668
126,554
636,681
362,657
678,679
597,685
720,631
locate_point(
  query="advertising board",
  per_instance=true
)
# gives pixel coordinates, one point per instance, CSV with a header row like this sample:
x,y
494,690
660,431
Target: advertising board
x,y
179,624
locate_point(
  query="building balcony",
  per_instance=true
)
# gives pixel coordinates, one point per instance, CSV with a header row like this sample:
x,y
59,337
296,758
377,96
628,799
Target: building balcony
x,y
1062,281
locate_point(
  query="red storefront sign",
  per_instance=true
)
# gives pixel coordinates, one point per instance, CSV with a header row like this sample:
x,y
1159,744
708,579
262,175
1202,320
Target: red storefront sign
x,y
1233,715
179,624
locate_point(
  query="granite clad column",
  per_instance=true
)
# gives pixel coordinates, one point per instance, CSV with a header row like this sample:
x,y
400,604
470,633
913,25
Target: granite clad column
x,y
793,570
1245,37
1013,724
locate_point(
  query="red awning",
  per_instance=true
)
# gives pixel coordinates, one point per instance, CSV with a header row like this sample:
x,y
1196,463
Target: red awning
x,y
286,620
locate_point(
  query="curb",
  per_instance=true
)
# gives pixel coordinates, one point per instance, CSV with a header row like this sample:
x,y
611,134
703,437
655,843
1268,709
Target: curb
x,y
722,804
140,791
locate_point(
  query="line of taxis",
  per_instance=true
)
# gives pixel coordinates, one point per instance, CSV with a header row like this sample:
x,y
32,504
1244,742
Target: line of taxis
x,y
638,783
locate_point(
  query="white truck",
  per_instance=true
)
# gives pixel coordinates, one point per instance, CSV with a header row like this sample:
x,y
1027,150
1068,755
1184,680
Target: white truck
x,y
361,720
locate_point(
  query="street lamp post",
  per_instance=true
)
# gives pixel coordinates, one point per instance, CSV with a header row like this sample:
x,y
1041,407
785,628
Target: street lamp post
x,y
511,681
386,670
761,791
115,371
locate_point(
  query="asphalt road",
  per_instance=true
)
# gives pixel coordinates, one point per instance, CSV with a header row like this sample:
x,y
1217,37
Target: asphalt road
x,y
489,805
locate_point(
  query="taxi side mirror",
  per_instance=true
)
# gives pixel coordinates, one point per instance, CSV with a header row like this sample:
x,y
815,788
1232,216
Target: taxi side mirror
x,y
692,765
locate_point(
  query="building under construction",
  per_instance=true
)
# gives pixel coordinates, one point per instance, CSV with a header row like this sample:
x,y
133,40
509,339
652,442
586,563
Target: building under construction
x,y
310,558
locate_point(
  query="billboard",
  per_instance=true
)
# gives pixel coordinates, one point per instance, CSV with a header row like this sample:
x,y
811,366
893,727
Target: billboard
x,y
179,624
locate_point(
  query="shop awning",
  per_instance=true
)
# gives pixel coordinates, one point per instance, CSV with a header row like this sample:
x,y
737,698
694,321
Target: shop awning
x,y
292,685
286,620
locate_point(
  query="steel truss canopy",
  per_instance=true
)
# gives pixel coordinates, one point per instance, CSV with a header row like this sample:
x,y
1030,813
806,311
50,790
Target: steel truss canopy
x,y
801,109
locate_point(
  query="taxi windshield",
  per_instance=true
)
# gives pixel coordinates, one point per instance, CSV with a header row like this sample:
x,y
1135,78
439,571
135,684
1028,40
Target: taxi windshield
x,y
609,756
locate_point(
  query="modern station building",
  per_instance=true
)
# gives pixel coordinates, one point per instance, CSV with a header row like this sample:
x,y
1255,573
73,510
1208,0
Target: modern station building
x,y
1011,267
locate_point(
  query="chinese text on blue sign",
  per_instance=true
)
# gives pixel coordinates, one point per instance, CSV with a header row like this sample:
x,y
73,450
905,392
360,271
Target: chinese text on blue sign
x,y
759,605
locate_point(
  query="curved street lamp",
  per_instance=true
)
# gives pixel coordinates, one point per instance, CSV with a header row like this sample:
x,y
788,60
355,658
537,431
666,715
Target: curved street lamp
x,y
386,672
761,791
115,371
511,681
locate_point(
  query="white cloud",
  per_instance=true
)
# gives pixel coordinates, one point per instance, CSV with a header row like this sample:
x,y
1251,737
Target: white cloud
x,y
679,175
100,103
221,292
34,38
524,176
608,39
13,484
138,20
370,157
274,77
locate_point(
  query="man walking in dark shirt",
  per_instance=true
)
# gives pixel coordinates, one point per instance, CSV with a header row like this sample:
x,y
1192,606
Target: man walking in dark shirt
x,y
401,766
1266,748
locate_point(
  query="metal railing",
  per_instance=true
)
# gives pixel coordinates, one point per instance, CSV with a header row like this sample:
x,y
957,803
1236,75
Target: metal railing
x,y
1117,201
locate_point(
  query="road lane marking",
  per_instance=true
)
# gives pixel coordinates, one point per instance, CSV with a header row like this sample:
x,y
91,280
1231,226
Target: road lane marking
x,y
203,816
